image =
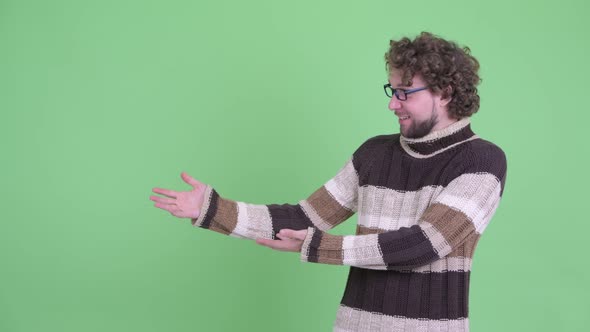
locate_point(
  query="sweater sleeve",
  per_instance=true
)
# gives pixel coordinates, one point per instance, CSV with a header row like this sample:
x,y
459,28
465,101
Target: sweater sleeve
x,y
459,213
326,207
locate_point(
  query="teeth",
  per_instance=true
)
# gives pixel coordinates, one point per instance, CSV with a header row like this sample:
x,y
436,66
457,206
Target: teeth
x,y
404,117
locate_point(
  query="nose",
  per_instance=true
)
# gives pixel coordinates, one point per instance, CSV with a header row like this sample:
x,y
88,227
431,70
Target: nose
x,y
394,104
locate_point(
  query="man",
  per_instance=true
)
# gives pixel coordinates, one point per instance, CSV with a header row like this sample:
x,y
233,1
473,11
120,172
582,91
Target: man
x,y
424,197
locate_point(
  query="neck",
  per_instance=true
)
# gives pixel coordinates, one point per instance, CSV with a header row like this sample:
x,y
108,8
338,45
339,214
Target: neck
x,y
440,140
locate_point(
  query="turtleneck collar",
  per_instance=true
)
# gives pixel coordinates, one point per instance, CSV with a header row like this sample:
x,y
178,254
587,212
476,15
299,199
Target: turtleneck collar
x,y
439,140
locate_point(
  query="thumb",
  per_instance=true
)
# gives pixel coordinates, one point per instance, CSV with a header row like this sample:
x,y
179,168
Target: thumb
x,y
298,235
190,180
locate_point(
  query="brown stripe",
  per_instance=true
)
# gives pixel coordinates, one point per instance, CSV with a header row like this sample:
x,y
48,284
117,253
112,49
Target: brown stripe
x,y
362,230
452,224
467,248
226,217
330,249
327,207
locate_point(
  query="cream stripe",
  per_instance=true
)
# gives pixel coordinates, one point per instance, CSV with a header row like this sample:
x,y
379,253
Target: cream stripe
x,y
438,241
354,320
422,156
476,195
206,202
344,186
304,255
473,194
483,220
391,209
355,247
254,221
364,246
455,264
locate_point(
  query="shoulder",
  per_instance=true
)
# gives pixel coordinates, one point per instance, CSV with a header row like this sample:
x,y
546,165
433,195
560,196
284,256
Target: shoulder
x,y
371,147
379,142
481,151
482,156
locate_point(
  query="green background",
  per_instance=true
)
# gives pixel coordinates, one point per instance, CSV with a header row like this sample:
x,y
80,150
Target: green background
x,y
265,100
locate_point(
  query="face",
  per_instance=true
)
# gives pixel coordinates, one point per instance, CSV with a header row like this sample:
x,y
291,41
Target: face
x,y
422,113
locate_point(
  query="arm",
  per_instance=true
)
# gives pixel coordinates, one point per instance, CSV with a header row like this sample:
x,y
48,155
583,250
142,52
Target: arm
x,y
458,214
328,206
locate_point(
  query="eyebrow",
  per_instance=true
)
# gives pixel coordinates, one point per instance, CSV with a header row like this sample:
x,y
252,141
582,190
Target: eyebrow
x,y
402,87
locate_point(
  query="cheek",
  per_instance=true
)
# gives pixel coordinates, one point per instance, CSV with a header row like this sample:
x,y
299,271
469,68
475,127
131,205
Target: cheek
x,y
421,110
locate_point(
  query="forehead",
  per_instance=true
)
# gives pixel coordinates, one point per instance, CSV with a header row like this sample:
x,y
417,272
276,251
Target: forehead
x,y
395,79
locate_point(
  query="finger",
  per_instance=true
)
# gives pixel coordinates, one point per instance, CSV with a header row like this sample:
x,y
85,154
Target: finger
x,y
283,237
284,233
165,192
276,244
190,180
167,207
163,200
292,234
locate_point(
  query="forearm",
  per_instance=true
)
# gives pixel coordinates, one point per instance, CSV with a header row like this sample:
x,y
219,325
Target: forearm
x,y
252,221
449,227
405,248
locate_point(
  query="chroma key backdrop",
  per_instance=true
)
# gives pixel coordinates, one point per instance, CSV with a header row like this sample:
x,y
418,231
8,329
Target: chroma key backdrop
x,y
102,101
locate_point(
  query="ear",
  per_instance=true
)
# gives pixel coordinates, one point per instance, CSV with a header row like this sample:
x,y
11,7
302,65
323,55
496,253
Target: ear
x,y
446,96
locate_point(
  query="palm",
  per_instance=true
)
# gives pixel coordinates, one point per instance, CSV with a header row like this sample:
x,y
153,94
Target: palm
x,y
182,204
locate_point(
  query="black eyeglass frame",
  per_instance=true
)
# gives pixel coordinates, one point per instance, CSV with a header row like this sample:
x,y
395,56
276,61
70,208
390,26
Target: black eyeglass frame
x,y
400,94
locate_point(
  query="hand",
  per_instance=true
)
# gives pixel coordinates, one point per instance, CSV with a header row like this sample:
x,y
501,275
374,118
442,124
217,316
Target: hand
x,y
182,204
290,240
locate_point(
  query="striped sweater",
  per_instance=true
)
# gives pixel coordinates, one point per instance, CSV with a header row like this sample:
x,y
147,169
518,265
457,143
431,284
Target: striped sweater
x,y
422,206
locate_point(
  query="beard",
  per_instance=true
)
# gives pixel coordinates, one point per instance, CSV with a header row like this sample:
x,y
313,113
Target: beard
x,y
421,129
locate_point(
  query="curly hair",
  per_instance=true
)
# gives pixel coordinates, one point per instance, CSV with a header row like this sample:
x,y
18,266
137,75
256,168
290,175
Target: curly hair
x,y
443,65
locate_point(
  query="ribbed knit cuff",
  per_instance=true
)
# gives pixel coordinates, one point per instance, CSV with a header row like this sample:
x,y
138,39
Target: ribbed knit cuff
x,y
197,222
306,244
321,247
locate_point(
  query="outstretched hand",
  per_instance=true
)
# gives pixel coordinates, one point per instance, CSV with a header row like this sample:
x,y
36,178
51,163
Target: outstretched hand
x,y
182,204
187,204
290,240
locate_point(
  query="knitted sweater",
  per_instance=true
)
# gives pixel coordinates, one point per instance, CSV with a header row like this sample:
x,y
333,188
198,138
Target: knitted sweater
x,y
422,206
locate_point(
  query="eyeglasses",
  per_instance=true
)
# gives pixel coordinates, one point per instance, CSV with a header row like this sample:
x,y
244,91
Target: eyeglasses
x,y
400,94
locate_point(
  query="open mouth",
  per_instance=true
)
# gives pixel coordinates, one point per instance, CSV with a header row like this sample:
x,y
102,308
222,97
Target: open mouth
x,y
404,119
